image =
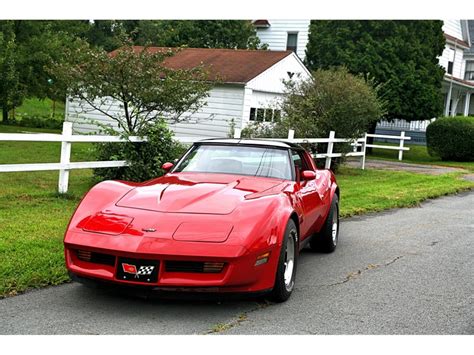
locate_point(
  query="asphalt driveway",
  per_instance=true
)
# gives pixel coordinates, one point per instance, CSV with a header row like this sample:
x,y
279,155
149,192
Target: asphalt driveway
x,y
407,271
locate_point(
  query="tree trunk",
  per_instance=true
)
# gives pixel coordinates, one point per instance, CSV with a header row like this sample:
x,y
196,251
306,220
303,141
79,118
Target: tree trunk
x,y
370,140
5,115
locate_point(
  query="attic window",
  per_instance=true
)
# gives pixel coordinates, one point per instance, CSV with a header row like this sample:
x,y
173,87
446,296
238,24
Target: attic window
x,y
292,41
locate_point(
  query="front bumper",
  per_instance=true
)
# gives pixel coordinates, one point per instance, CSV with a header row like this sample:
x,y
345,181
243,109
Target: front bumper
x,y
238,275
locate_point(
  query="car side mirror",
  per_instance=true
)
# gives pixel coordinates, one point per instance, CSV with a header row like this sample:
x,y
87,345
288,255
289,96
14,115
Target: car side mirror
x,y
167,166
308,175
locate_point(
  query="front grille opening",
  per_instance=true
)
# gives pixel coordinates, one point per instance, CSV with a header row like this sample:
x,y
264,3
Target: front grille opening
x,y
96,258
194,266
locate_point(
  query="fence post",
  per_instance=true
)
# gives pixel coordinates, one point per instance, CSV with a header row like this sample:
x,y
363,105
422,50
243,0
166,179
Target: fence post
x,y
291,133
332,135
363,149
237,132
402,141
65,157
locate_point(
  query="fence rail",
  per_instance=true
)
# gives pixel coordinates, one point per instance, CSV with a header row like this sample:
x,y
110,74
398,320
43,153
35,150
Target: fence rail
x,y
67,138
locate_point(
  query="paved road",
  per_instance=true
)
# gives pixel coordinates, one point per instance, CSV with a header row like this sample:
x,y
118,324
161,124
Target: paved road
x,y
402,166
407,271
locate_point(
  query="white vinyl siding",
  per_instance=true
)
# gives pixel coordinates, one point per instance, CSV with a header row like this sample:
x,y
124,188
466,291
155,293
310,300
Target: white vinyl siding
x,y
271,80
459,63
225,102
276,35
453,28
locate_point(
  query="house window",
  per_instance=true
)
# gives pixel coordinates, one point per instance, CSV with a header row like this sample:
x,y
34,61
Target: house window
x,y
469,70
292,41
264,115
252,114
260,114
450,68
276,116
451,55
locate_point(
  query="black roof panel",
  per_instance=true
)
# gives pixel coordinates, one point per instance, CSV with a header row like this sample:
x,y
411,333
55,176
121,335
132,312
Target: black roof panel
x,y
263,142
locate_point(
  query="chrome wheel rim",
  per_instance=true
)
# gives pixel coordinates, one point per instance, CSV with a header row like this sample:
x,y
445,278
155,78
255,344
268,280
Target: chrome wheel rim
x,y
335,226
289,260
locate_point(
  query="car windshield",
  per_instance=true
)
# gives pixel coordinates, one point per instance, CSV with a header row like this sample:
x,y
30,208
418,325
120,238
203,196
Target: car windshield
x,y
237,159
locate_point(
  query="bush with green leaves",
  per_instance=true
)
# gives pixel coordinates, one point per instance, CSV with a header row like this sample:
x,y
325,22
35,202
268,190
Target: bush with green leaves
x,y
451,138
37,122
332,100
145,159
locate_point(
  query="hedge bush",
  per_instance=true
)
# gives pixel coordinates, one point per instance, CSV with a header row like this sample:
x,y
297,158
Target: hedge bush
x,y
37,122
451,138
145,159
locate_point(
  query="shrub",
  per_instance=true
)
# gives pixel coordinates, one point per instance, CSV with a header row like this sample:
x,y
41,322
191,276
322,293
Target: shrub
x,y
264,130
145,158
37,122
332,100
451,138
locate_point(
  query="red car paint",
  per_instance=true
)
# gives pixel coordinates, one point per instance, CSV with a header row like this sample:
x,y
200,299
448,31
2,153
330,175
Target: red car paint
x,y
197,217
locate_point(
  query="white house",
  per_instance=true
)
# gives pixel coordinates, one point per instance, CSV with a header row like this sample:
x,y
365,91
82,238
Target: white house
x,y
249,89
457,60
458,84
282,35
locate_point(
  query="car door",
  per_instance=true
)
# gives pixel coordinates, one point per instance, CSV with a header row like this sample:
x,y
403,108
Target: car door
x,y
307,193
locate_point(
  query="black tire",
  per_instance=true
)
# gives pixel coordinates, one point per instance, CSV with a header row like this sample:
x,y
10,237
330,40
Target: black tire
x,y
324,241
282,290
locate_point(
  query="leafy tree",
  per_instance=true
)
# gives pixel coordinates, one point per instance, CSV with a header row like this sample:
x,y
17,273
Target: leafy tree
x,y
402,55
139,81
198,33
33,46
74,28
11,90
109,34
332,100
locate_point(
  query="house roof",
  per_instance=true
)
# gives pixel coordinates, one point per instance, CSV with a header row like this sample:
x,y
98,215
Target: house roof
x,y
458,41
226,65
261,23
462,82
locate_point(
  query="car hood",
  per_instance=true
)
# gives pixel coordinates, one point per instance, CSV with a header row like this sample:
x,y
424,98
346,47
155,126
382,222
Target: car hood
x,y
197,193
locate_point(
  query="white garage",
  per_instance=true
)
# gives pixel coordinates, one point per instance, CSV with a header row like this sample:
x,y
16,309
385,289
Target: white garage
x,y
249,88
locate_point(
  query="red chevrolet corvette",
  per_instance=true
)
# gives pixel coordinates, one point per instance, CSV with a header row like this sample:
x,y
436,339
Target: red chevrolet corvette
x,y
231,216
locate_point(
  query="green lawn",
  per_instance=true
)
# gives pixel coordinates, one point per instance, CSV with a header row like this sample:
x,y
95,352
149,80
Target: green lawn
x,y
33,217
38,152
34,107
368,190
417,154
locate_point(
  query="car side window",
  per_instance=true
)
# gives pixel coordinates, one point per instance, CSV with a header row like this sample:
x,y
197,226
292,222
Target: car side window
x,y
299,162
296,160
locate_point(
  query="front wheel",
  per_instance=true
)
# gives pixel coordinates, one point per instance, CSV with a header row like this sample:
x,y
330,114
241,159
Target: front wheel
x,y
286,270
326,240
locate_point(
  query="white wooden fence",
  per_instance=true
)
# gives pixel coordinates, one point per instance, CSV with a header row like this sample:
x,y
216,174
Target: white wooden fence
x,y
67,138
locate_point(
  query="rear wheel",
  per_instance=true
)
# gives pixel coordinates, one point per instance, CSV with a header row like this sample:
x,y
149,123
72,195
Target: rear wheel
x,y
326,240
286,270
